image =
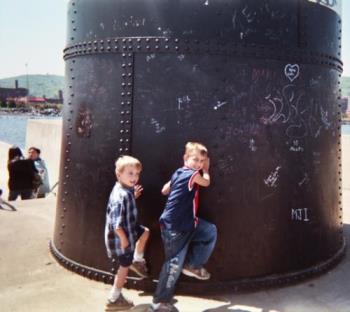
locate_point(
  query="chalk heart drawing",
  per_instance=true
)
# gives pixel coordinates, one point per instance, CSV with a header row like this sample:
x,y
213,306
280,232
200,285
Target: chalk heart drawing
x,y
291,71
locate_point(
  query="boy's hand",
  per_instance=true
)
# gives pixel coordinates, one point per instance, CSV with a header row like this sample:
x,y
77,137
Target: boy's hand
x,y
124,243
206,165
138,191
166,188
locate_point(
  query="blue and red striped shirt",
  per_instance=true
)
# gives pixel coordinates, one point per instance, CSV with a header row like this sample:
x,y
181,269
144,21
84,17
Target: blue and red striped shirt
x,y
180,212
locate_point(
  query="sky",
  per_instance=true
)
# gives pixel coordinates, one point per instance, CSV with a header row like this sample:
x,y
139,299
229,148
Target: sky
x,y
33,36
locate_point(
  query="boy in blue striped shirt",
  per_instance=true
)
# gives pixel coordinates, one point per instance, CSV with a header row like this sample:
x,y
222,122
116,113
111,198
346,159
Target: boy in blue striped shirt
x,y
188,241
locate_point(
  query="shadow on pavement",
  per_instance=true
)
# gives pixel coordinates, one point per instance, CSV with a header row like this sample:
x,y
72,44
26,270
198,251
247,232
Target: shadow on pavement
x,y
332,287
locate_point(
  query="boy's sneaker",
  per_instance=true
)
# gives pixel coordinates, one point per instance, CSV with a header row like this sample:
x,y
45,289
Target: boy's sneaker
x,y
139,267
162,307
199,273
119,305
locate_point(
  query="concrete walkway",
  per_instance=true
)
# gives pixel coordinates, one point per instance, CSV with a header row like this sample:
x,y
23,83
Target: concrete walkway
x,y
32,281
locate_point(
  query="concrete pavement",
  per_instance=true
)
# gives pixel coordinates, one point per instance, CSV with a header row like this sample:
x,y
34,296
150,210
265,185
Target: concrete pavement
x,y
32,281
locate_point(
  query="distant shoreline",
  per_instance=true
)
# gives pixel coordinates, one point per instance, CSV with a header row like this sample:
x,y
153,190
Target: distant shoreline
x,y
18,112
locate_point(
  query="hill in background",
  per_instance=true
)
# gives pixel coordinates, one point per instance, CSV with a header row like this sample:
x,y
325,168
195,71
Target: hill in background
x,y
49,85
39,85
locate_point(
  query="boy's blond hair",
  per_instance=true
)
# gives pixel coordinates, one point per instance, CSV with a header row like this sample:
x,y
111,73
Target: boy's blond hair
x,y
124,161
195,146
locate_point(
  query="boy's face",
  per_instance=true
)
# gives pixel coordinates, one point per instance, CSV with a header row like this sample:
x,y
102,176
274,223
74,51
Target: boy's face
x,y
195,160
129,176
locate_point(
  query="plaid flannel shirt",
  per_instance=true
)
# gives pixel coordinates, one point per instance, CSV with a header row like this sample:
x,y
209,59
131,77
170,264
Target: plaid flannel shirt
x,y
122,213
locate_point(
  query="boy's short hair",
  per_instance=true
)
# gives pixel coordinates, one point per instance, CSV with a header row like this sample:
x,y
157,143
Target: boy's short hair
x,y
195,146
124,161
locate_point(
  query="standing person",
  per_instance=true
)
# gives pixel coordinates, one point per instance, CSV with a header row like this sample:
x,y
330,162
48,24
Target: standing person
x,y
188,241
125,238
22,174
44,188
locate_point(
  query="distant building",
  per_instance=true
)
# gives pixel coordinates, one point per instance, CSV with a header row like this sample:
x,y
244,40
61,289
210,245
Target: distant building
x,y
7,94
344,103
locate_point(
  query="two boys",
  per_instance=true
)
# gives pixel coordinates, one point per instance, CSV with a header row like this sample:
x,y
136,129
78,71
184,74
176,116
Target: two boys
x,y
188,241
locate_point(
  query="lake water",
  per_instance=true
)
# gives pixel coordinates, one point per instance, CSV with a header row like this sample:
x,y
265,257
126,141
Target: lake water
x,y
13,129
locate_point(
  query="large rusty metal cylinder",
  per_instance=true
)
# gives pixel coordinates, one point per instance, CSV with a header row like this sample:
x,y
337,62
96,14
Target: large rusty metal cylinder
x,y
256,81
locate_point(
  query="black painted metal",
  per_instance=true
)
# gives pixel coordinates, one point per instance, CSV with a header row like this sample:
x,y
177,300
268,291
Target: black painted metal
x,y
256,81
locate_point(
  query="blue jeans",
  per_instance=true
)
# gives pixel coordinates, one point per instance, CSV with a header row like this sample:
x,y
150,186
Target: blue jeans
x,y
197,245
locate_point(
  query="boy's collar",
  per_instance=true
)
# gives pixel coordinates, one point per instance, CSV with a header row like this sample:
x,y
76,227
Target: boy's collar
x,y
131,189
186,167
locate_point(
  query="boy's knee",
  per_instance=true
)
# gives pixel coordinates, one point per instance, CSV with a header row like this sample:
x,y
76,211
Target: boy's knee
x,y
214,230
146,233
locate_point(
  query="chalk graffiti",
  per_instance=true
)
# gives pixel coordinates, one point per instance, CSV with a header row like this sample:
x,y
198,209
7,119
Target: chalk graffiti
x,y
252,145
219,104
183,100
150,57
324,118
157,126
284,105
304,180
300,214
271,180
291,71
227,165
296,147
135,22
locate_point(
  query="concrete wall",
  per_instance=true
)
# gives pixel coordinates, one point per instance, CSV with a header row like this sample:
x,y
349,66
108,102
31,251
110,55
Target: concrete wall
x,y
4,147
45,134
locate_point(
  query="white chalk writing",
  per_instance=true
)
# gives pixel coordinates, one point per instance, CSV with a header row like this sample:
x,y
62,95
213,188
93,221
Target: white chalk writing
x,y
296,147
300,214
252,145
158,127
291,71
150,57
271,180
304,180
219,104
183,100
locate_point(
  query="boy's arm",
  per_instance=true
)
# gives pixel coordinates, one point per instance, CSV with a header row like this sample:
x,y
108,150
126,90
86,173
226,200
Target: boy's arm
x,y
123,239
166,188
203,180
